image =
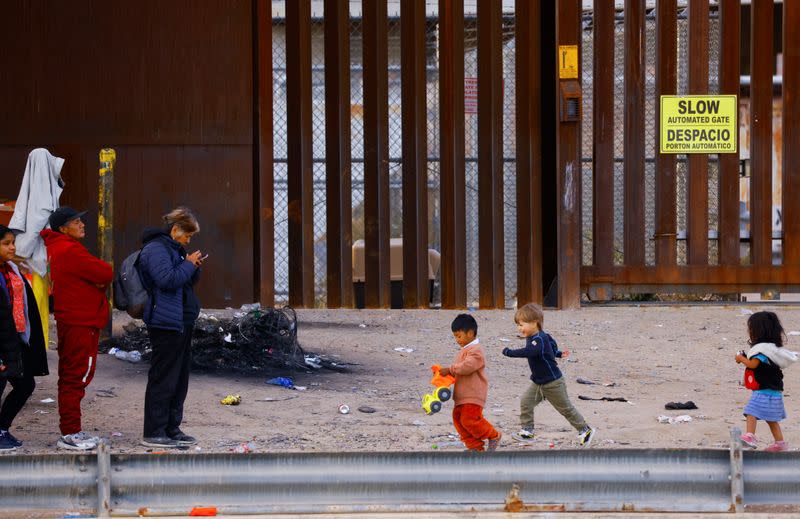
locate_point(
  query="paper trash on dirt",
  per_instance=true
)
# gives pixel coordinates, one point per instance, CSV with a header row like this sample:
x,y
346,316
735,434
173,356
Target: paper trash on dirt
x,y
404,350
47,401
672,420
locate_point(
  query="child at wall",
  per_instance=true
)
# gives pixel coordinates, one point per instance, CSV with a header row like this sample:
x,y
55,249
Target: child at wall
x,y
541,351
767,358
470,388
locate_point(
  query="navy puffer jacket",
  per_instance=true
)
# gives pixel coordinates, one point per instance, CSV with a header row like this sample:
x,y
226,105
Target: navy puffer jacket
x,y
170,281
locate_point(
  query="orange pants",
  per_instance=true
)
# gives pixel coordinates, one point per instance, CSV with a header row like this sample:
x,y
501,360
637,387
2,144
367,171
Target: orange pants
x,y
472,426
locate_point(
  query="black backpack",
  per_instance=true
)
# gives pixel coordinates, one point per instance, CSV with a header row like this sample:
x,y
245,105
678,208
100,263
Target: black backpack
x,y
130,293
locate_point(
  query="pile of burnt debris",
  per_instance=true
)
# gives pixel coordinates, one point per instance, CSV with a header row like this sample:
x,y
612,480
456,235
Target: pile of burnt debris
x,y
254,341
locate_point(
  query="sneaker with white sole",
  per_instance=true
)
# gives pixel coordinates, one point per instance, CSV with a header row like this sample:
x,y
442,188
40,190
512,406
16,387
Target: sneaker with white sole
x,y
6,443
159,442
10,438
183,439
525,434
80,441
778,446
749,440
586,435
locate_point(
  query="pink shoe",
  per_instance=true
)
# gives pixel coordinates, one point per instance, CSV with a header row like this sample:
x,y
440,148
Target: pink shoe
x,y
778,447
749,440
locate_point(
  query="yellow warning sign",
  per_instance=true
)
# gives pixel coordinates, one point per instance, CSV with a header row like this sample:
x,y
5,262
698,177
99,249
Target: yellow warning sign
x,y
568,61
699,124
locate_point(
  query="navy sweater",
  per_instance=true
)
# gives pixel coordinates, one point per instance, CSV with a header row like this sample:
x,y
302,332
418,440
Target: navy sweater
x,y
541,351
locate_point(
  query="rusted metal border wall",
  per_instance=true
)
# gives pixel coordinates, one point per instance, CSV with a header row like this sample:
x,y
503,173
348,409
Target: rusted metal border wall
x,y
791,135
415,154
490,155
338,154
169,86
568,175
729,79
453,183
177,149
529,150
301,210
735,270
376,155
264,171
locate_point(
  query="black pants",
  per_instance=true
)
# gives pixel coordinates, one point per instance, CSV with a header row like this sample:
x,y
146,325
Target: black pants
x,y
167,381
22,389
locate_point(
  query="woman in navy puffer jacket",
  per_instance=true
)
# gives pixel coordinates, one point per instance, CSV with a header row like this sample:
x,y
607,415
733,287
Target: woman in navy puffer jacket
x,y
169,274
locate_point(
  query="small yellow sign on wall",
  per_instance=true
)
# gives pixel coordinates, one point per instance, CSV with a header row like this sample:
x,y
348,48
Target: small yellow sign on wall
x,y
568,62
699,124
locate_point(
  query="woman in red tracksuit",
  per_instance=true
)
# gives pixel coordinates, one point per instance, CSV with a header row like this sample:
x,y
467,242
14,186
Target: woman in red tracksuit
x,y
81,309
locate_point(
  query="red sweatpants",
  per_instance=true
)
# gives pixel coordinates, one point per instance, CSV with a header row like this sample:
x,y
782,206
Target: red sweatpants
x,y
472,426
77,358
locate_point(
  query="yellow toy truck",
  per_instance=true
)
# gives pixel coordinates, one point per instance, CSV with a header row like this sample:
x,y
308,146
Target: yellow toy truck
x,y
432,402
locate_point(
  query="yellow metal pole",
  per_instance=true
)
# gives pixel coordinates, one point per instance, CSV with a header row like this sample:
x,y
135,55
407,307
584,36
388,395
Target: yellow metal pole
x,y
105,218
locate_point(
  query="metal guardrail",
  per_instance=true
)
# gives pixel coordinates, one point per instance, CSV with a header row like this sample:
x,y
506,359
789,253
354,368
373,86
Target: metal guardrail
x,y
702,480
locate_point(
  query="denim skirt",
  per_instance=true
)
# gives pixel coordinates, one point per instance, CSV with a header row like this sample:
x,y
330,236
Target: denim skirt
x,y
765,406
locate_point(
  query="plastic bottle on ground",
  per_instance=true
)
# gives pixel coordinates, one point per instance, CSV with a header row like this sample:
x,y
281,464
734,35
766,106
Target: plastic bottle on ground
x,y
131,356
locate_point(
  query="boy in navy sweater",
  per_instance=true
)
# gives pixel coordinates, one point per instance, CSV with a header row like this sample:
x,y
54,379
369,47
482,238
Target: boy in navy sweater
x,y
541,351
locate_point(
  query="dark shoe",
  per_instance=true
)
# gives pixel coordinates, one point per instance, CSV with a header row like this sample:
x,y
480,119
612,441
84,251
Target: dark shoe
x,y
14,439
6,444
159,442
182,438
494,442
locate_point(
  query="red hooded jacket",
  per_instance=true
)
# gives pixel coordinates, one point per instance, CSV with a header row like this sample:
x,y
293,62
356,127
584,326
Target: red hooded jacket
x,y
77,277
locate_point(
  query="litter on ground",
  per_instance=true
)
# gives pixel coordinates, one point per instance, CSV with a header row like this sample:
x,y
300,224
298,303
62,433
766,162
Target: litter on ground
x,y
231,400
684,418
604,398
680,405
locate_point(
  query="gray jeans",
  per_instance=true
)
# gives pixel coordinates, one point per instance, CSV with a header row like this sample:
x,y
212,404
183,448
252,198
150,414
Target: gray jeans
x,y
554,392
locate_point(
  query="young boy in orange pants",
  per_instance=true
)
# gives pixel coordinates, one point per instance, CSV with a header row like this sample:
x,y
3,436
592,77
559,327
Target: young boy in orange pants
x,y
471,387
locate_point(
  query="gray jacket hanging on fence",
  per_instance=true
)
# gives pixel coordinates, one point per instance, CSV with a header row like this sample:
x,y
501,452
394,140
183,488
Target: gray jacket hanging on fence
x,y
38,198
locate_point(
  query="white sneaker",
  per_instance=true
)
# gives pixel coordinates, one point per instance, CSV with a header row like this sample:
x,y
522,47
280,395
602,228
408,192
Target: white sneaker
x,y
586,436
80,441
525,434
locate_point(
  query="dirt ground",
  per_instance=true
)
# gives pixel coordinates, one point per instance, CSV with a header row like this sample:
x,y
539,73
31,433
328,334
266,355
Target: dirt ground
x,y
654,355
